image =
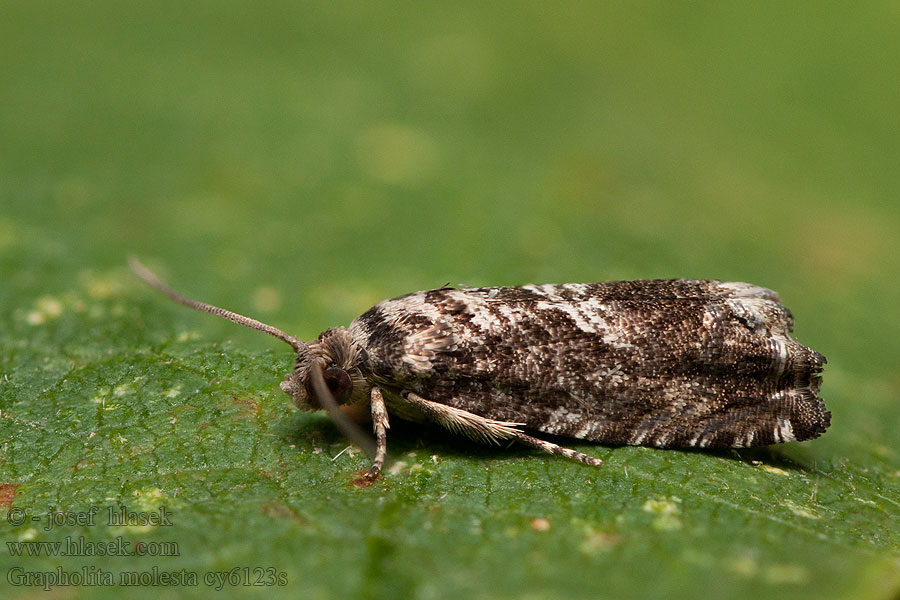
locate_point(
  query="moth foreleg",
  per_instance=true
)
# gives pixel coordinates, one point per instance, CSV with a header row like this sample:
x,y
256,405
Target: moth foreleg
x,y
380,424
487,430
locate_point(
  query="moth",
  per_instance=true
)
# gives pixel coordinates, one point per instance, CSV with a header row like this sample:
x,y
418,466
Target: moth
x,y
664,363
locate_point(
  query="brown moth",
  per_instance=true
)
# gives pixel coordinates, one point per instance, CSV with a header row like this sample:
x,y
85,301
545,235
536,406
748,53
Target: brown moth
x,y
663,363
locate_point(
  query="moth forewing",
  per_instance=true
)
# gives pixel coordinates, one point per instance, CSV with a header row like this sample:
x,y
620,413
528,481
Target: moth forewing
x,y
665,363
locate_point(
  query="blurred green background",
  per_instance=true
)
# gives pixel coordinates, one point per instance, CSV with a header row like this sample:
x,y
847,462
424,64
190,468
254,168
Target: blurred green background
x,y
299,162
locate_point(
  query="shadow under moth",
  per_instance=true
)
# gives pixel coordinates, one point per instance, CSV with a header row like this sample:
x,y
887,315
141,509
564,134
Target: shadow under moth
x,y
665,363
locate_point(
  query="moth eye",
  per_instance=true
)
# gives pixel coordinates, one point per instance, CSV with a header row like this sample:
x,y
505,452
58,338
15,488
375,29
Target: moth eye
x,y
339,384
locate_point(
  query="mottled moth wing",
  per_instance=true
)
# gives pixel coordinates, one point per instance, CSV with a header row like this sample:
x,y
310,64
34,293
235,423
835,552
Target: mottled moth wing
x,y
667,363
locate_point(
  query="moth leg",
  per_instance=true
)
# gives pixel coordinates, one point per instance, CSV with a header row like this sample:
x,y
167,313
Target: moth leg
x,y
552,448
487,430
381,425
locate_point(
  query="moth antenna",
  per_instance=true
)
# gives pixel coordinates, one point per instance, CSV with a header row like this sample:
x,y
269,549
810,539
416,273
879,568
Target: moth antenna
x,y
144,273
345,424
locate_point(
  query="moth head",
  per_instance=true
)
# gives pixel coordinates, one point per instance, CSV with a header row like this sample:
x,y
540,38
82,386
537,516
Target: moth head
x,y
327,373
341,362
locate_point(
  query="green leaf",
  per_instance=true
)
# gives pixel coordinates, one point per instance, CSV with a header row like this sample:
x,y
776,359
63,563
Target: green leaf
x,y
299,163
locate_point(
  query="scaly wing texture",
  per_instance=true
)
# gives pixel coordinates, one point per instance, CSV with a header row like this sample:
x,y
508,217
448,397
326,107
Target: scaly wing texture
x,y
668,363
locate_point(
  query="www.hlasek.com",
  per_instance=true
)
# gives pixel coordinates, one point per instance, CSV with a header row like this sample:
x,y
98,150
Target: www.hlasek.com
x,y
91,576
80,547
